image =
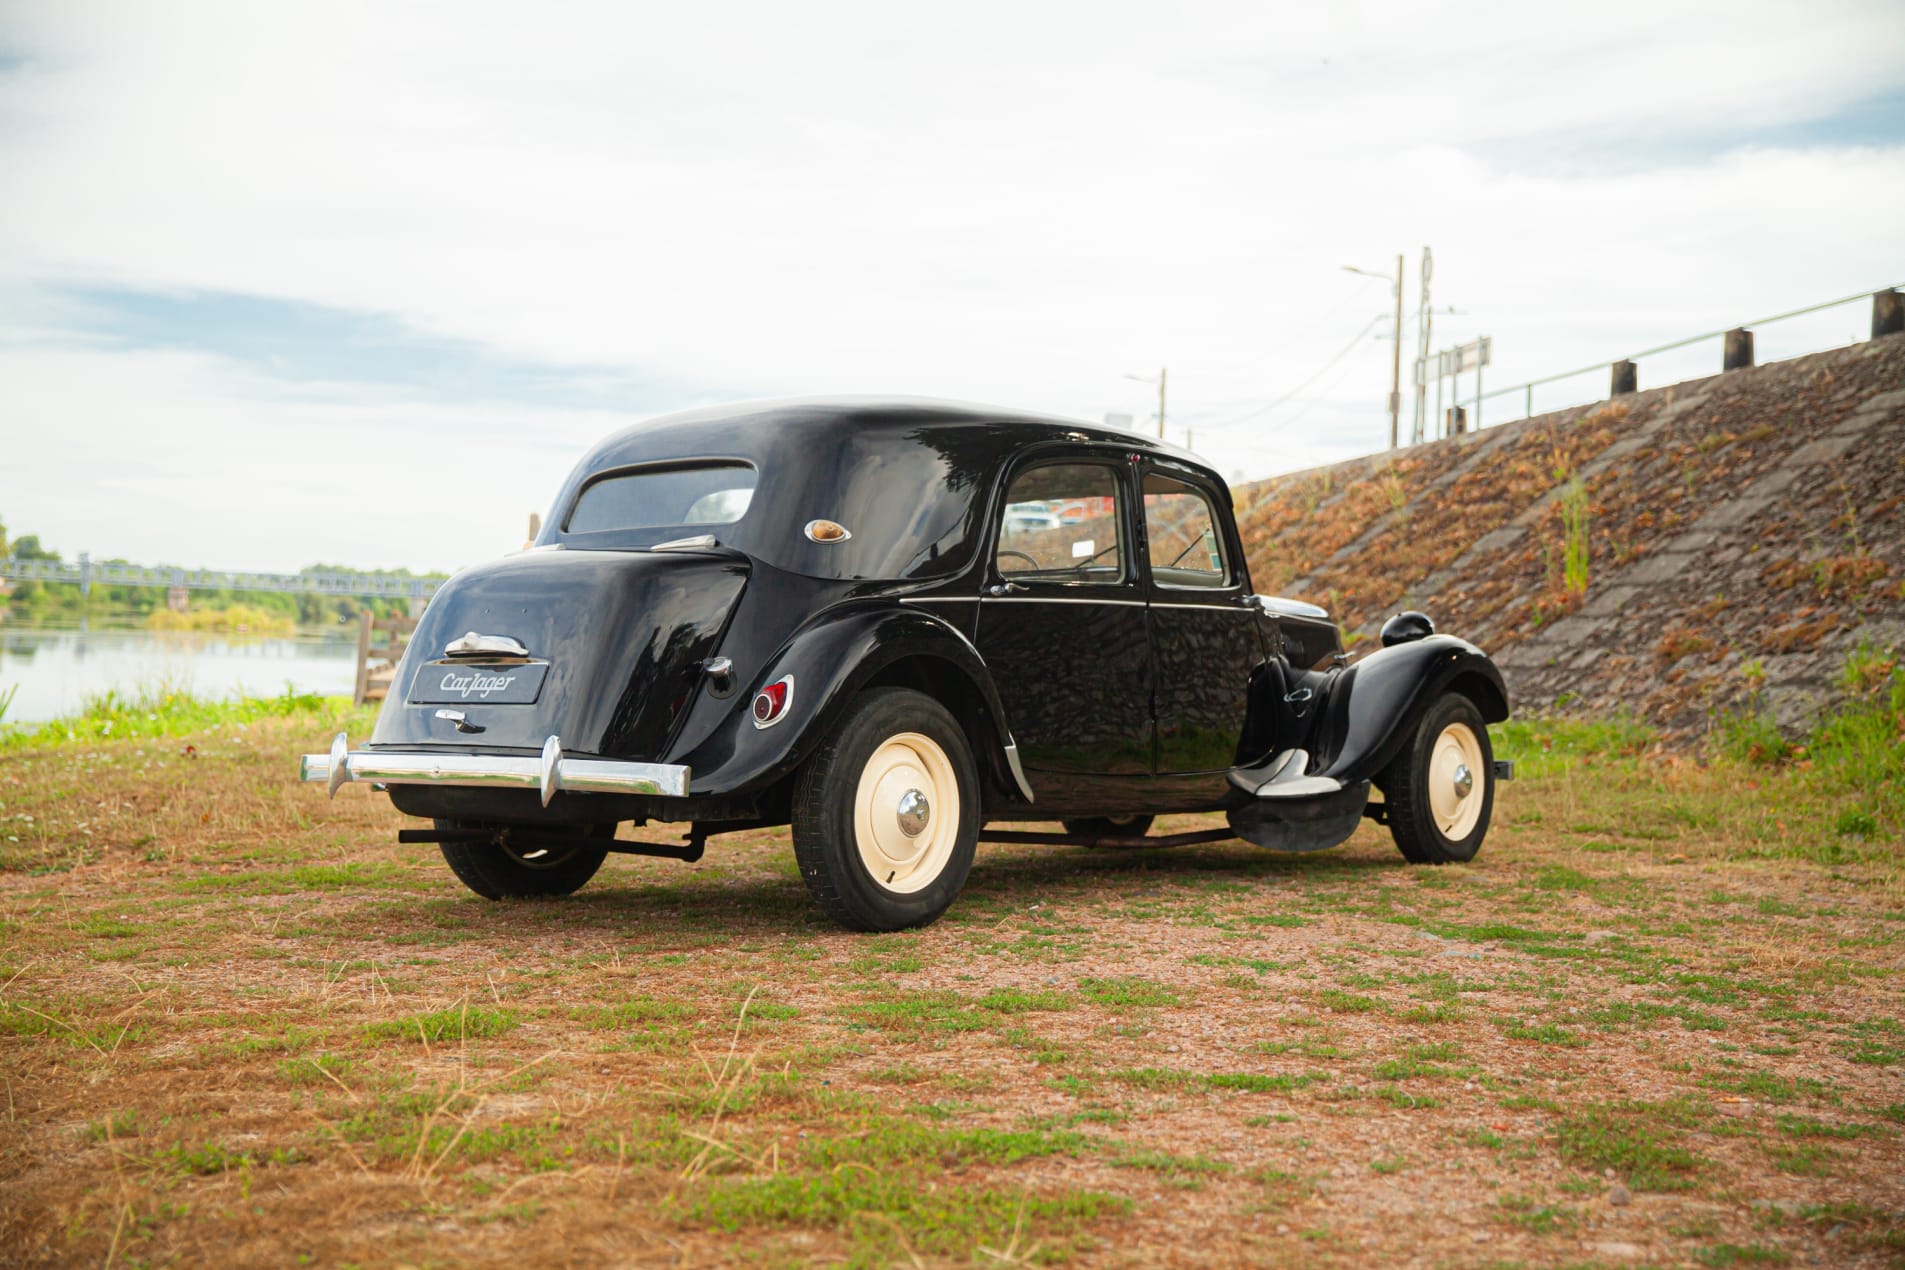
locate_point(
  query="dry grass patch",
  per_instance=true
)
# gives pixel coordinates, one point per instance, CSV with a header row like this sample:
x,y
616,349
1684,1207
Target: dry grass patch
x,y
238,1023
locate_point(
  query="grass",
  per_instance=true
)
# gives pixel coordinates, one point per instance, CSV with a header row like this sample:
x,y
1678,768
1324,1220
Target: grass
x,y
459,1023
163,710
232,1009
1575,513
1638,1141
880,1219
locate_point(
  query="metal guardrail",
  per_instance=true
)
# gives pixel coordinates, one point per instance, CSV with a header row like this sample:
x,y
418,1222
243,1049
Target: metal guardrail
x,y
85,572
1528,389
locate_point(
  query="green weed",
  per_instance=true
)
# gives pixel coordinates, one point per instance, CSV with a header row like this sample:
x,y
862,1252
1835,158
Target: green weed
x,y
437,1026
1634,1139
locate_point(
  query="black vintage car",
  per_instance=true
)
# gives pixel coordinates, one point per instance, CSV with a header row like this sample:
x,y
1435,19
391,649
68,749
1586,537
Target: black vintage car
x,y
888,624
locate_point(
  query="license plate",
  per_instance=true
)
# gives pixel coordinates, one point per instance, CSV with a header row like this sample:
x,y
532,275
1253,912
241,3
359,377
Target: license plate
x,y
441,682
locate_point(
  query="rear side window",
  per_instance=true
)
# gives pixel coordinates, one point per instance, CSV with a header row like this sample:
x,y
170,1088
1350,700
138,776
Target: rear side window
x,y
1181,527
675,497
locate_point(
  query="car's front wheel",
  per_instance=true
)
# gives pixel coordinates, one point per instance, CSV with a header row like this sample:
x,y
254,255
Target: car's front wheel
x,y
886,813
1440,790
502,870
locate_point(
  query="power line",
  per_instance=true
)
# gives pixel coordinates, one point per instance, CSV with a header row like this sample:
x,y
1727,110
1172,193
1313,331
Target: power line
x,y
1345,351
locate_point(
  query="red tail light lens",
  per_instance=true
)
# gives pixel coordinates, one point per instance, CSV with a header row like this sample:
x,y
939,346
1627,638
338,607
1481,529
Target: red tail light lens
x,y
771,702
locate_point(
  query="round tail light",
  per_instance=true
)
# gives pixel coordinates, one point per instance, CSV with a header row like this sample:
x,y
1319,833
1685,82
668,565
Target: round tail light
x,y
771,702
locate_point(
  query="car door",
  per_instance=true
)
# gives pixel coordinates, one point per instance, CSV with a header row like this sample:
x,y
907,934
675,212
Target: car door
x,y
1062,625
1206,637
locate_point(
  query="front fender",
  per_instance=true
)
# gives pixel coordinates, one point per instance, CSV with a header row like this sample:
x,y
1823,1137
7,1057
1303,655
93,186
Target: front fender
x,y
1372,707
831,659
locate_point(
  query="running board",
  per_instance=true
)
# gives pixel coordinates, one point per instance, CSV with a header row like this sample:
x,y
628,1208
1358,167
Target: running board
x,y
1105,840
1282,777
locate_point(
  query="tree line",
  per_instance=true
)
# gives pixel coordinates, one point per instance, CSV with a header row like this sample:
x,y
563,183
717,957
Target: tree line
x,y
33,599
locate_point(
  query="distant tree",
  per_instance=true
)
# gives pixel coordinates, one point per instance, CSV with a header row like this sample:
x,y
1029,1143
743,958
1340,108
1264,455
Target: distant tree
x,y
28,548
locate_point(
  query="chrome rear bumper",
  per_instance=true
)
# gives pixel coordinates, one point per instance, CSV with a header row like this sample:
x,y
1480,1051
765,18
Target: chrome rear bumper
x,y
547,774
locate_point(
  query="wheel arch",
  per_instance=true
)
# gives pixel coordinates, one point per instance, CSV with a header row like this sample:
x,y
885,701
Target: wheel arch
x,y
1488,693
836,657
1373,707
977,712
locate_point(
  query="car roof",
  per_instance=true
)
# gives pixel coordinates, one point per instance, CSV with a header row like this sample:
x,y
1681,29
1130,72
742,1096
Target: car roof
x,y
907,476
817,418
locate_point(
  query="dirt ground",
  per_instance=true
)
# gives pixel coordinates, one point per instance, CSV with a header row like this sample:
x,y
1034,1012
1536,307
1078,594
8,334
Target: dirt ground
x,y
1657,1022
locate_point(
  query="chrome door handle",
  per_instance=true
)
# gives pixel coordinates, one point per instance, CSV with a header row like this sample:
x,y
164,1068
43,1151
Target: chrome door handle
x,y
1004,588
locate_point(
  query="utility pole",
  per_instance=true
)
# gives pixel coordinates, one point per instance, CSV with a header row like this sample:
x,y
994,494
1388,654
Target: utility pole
x,y
1395,358
1395,366
1424,331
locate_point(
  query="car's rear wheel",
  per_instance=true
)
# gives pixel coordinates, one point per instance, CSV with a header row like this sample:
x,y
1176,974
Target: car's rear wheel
x,y
1439,792
1133,826
886,813
503,870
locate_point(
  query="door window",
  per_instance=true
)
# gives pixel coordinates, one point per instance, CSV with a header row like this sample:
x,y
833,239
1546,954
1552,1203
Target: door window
x,y
1181,529
1061,525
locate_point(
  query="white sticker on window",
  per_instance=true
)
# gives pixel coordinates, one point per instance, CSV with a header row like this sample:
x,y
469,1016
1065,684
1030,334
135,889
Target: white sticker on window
x,y
1082,549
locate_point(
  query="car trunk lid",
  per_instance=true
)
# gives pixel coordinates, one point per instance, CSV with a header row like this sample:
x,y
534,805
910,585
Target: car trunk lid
x,y
600,648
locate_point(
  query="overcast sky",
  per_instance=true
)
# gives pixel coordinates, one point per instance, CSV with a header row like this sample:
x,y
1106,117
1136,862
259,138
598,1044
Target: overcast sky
x,y
358,283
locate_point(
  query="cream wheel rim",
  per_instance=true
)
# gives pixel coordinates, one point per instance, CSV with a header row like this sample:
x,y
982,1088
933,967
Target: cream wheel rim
x,y
1457,781
906,812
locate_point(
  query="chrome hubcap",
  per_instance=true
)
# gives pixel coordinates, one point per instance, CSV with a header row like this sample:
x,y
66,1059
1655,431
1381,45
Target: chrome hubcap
x,y
913,813
1464,781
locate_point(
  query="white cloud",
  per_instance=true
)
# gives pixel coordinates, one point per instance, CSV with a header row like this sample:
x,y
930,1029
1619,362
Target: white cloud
x,y
177,458
1014,203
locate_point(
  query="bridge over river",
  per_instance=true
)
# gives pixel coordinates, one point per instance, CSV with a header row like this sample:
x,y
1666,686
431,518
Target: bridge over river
x,y
178,581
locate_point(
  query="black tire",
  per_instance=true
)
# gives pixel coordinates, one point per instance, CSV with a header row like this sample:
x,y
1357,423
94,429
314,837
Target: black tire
x,y
1407,795
828,792
1109,826
498,872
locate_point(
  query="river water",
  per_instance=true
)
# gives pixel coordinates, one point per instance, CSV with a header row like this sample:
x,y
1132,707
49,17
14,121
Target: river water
x,y
57,668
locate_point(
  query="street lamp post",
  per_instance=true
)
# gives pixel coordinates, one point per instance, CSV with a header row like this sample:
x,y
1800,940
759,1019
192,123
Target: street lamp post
x,y
1163,375
1395,357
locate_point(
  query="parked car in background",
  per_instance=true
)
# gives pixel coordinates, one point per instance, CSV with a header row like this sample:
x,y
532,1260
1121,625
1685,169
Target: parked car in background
x,y
858,618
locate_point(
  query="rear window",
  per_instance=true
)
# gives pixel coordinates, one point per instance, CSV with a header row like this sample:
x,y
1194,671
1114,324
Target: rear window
x,y
664,498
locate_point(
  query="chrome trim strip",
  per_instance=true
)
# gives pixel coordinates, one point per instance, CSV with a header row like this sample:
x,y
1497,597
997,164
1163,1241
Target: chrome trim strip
x,y
549,773
1018,772
935,599
1055,599
470,643
1214,608
699,542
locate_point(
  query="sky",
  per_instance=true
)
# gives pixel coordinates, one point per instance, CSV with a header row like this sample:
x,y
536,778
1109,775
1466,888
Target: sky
x,y
358,283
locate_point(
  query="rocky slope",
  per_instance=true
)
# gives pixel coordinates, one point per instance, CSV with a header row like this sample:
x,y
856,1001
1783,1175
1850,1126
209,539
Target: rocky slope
x,y
1732,540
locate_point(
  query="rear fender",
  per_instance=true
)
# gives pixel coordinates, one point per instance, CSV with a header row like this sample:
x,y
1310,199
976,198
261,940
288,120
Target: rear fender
x,y
1371,708
832,659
